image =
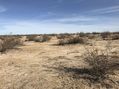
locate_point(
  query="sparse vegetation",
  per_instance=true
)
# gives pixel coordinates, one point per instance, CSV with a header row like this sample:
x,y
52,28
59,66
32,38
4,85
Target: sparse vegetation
x,y
82,34
115,36
100,62
63,36
43,65
9,43
72,40
105,35
39,38
42,38
31,37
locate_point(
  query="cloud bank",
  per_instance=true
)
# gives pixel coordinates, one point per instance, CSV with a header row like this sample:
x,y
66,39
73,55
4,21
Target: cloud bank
x,y
107,10
29,27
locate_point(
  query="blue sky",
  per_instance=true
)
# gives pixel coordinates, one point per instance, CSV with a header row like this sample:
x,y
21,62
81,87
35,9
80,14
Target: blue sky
x,y
58,16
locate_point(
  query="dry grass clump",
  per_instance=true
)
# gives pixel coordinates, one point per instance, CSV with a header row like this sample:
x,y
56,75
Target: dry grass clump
x,y
42,38
72,40
101,63
9,43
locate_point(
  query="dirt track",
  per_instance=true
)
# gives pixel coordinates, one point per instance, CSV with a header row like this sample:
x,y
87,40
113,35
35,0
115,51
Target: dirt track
x,y
35,66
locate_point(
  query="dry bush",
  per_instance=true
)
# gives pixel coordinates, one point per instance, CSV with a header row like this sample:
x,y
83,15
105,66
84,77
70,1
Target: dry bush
x,y
82,34
115,37
72,40
92,36
31,37
100,62
60,36
105,35
63,36
36,38
9,43
1,45
42,38
24,38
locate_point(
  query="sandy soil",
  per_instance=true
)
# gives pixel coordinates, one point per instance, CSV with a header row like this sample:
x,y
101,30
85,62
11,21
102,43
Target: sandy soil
x,y
43,65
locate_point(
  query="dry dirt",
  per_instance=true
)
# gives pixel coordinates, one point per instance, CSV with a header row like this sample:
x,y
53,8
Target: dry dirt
x,y
48,66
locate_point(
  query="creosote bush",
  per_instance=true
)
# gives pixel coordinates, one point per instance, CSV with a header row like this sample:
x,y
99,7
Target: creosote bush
x,y
72,40
115,37
100,62
31,37
9,43
42,38
105,35
63,36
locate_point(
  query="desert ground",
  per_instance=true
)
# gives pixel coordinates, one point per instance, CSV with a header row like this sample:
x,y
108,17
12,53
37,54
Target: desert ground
x,y
48,66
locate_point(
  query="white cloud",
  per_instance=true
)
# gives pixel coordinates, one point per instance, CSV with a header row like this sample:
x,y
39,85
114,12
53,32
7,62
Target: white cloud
x,y
26,27
72,19
58,25
75,19
2,9
111,9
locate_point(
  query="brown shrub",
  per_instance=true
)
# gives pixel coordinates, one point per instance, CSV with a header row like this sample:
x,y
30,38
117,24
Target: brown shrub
x,y
1,45
31,37
101,63
105,35
42,38
82,34
9,43
24,38
63,36
115,37
72,40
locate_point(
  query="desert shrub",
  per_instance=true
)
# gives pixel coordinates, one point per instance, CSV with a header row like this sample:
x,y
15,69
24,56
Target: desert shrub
x,y
36,38
105,35
115,37
91,36
63,36
82,34
95,33
24,38
1,45
9,43
63,41
72,40
31,37
60,36
100,62
42,38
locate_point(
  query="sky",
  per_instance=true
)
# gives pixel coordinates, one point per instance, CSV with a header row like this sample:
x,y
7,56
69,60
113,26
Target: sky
x,y
58,16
